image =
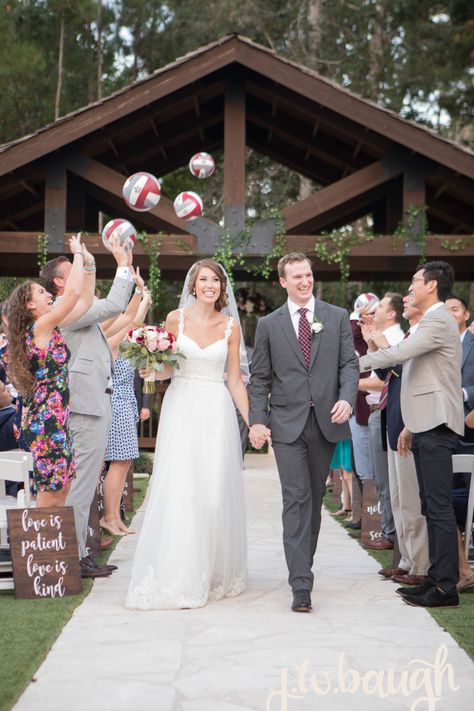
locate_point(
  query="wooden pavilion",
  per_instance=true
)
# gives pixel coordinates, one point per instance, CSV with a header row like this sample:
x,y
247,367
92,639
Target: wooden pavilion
x,y
227,96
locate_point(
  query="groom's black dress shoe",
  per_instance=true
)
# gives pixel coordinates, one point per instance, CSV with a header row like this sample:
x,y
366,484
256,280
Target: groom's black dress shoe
x,y
417,590
301,601
433,597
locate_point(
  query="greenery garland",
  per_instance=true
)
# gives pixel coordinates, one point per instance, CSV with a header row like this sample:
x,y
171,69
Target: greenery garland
x,y
42,249
231,251
152,249
334,248
413,227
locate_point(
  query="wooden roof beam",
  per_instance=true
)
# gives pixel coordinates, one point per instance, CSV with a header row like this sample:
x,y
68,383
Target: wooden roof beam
x,y
341,192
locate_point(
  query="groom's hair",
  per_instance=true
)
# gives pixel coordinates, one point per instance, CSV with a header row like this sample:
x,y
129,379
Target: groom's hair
x,y
289,259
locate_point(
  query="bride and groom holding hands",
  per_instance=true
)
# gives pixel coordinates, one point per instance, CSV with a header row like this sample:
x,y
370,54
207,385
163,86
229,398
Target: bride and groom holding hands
x,y
303,383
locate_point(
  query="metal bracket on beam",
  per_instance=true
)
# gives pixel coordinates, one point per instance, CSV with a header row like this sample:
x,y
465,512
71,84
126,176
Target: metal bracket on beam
x,y
263,233
208,235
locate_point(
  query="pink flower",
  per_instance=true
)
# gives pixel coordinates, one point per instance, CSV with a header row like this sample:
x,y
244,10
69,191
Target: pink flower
x,y
163,344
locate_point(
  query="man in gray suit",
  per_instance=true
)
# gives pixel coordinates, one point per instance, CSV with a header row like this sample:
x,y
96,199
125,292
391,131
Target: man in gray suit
x,y
90,384
432,410
304,358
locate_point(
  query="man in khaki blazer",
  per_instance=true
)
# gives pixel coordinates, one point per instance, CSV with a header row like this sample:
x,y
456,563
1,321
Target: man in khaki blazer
x,y
432,410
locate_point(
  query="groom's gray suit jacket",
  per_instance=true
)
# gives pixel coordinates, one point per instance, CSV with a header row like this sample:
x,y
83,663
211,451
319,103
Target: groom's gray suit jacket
x,y
278,368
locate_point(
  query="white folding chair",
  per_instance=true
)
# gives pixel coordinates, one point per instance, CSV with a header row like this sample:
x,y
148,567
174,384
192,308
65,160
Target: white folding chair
x,y
16,468
464,464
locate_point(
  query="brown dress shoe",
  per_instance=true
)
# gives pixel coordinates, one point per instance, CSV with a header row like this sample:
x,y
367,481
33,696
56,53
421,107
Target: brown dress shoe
x,y
388,572
383,545
408,579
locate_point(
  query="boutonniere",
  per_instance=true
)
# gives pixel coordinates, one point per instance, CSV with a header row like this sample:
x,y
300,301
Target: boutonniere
x,y
317,326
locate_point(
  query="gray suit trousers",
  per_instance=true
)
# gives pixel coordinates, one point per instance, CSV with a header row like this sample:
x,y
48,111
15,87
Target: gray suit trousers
x,y
90,440
380,469
303,466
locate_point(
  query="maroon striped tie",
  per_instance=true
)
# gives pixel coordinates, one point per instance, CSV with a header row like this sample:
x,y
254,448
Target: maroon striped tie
x,y
304,335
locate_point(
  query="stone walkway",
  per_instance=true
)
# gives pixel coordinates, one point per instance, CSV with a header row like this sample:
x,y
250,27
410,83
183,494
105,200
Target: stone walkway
x,y
361,647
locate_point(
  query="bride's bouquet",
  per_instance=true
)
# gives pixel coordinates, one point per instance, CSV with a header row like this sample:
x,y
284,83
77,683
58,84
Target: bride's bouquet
x,y
150,347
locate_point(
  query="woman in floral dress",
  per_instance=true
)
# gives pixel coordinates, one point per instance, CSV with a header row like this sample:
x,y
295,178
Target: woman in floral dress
x,y
38,365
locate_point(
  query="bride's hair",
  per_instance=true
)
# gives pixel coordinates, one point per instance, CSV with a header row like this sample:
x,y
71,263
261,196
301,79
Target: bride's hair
x,y
221,302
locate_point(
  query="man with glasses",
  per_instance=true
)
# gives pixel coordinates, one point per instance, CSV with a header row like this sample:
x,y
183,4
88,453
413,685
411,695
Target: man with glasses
x,y
432,411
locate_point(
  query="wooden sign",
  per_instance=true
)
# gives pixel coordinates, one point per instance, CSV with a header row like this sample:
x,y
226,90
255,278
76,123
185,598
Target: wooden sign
x,y
44,553
371,522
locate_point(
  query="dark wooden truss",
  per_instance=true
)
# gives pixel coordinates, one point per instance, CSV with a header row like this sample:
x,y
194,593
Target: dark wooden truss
x,y
225,97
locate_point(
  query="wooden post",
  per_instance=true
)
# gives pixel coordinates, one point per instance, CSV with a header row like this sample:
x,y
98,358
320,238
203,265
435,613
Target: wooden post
x,y
414,196
234,156
356,499
55,206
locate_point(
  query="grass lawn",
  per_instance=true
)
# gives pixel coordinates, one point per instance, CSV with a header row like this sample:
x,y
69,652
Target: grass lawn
x,y
459,622
28,628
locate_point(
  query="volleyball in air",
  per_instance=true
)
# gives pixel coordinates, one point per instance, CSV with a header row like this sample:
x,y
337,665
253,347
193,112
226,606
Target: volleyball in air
x,y
202,165
366,300
188,205
122,229
141,191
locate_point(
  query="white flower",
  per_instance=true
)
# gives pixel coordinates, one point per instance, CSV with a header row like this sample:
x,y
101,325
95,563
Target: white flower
x,y
317,327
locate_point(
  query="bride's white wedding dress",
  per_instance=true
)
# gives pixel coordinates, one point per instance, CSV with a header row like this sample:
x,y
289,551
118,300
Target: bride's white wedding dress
x,y
193,545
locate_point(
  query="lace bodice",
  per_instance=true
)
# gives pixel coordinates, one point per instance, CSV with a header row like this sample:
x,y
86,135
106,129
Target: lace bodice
x,y
207,364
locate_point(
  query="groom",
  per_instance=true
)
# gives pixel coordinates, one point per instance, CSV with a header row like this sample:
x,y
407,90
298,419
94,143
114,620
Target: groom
x,y
304,359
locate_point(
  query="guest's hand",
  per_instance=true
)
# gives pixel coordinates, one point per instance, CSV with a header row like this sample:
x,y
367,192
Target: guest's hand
x,y
144,414
341,412
367,319
379,339
119,252
258,435
404,442
75,244
138,279
469,421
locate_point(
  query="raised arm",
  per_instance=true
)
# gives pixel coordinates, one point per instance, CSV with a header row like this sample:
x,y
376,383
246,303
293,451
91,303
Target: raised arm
x,y
88,290
118,296
134,319
117,324
45,324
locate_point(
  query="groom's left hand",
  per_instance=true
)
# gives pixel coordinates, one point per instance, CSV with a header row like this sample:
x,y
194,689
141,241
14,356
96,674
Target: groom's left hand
x,y
341,412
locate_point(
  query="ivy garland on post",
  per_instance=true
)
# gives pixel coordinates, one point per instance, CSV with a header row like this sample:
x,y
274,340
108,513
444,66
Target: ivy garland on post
x,y
42,249
413,227
334,248
152,249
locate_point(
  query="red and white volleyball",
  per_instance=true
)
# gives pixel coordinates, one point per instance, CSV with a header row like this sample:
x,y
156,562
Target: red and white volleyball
x,y
141,191
188,205
202,165
366,300
122,229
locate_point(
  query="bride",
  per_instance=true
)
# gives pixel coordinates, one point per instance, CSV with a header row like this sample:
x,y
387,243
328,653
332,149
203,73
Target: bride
x,y
192,547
